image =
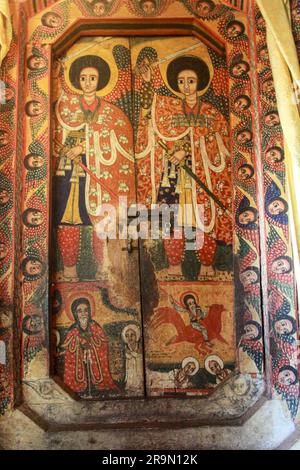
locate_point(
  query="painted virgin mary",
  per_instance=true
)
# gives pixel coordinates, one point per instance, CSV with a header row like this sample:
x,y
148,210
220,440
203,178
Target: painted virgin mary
x,y
94,134
196,134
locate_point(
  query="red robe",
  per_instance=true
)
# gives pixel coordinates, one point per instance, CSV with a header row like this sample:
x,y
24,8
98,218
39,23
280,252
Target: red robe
x,y
91,350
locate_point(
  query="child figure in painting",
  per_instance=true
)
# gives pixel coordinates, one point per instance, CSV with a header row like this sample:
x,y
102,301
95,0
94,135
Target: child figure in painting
x,y
86,369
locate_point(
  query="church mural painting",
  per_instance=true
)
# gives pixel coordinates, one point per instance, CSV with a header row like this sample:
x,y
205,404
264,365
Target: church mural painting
x,y
174,294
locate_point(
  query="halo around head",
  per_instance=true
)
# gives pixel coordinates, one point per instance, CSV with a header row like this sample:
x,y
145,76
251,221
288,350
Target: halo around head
x,y
186,360
215,358
133,327
184,294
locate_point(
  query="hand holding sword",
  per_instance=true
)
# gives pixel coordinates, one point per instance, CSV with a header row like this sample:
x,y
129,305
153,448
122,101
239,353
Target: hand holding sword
x,y
178,159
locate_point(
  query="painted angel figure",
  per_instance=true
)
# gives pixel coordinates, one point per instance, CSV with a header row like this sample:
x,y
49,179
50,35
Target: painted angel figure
x,y
196,135
95,156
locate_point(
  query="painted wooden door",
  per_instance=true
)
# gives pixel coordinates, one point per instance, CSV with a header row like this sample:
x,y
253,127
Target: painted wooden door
x,y
141,122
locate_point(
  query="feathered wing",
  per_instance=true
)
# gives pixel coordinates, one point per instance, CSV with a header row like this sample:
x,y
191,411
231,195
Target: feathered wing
x,y
167,315
213,322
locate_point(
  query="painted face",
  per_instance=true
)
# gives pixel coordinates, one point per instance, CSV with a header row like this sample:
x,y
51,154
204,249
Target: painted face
x,y
82,311
251,331
296,13
187,82
89,77
264,54
244,137
191,305
248,277
286,377
3,251
260,22
245,173
246,217
268,86
234,30
189,368
215,367
273,156
6,94
35,161
35,108
5,319
276,207
33,267
239,69
35,218
240,386
272,120
35,324
99,8
36,62
149,7
283,327
130,336
241,104
52,20
3,138
204,8
281,266
4,196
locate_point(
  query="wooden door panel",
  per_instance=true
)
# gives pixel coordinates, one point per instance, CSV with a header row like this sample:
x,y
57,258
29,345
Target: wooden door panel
x,y
95,275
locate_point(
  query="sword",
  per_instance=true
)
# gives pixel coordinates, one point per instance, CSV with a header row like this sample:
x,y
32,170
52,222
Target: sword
x,y
198,181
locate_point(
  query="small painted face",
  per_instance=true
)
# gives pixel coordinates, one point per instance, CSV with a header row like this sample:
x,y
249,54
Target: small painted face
x,y
248,277
246,217
273,155
241,104
260,22
204,8
240,386
35,324
215,367
33,267
272,120
276,207
6,94
5,319
251,331
35,218
296,13
4,197
245,173
239,69
3,138
35,161
187,82
286,377
264,54
283,327
189,368
36,63
244,137
281,266
3,251
234,30
88,79
149,7
52,20
99,8
191,305
268,86
130,336
35,108
82,311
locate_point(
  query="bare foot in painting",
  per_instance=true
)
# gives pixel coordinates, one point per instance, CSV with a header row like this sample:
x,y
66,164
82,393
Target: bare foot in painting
x,y
207,271
70,273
